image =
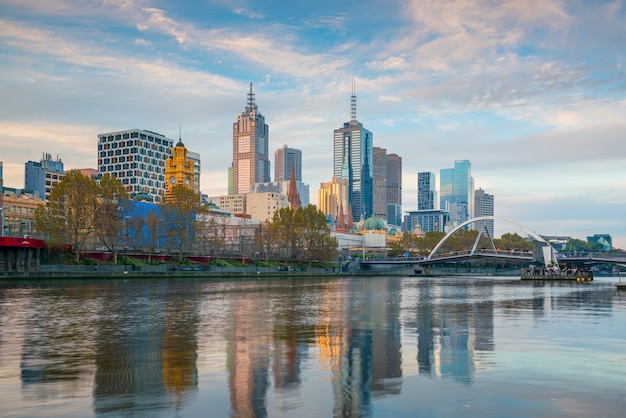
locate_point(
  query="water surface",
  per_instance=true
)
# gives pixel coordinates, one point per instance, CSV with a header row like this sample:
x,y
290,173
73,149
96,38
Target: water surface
x,y
350,347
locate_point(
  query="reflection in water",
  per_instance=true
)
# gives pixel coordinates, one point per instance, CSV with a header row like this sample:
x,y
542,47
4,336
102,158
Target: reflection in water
x,y
334,347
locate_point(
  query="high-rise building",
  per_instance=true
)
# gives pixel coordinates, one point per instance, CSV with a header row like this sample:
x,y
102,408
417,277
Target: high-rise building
x,y
195,159
426,220
380,182
250,148
426,191
394,190
332,198
352,160
136,158
457,191
285,160
179,170
483,206
41,176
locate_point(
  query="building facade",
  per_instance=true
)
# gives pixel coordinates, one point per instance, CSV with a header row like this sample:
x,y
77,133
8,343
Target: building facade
x,y
250,149
179,170
394,190
41,176
283,187
380,182
426,220
426,191
353,161
332,198
18,211
456,188
285,160
137,159
483,206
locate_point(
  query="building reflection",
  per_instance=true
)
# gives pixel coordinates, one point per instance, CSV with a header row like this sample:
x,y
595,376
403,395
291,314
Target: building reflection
x,y
359,340
146,352
449,334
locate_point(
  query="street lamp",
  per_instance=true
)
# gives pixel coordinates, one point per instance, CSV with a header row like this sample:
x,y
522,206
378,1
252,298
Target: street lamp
x,y
257,262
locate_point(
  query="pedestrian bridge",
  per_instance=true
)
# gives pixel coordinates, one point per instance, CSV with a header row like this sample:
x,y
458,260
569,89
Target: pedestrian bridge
x,y
544,253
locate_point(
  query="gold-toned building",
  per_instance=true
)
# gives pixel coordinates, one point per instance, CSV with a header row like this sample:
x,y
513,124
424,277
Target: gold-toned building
x,y
178,170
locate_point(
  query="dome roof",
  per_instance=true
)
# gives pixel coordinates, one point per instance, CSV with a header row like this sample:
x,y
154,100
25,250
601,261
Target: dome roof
x,y
374,223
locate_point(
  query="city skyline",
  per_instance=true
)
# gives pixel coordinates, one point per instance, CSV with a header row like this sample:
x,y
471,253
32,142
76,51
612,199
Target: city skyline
x,y
531,92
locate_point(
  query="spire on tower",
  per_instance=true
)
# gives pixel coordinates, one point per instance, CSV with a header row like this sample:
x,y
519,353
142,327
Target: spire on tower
x,y
251,105
353,120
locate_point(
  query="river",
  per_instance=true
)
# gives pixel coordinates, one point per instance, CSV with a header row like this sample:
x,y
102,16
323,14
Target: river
x,y
312,347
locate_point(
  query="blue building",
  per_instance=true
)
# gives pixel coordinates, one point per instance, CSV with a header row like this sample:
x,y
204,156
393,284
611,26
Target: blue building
x,y
604,240
456,187
353,161
40,176
426,191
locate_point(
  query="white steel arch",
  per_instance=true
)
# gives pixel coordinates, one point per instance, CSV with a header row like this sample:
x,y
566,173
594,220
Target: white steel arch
x,y
533,234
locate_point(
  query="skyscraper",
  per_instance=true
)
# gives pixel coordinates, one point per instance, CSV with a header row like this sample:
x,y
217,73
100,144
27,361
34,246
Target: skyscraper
x,y
394,189
380,182
483,206
250,148
426,191
285,159
137,159
352,160
457,191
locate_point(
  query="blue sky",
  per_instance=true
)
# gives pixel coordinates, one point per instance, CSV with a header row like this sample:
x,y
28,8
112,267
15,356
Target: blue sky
x,y
532,92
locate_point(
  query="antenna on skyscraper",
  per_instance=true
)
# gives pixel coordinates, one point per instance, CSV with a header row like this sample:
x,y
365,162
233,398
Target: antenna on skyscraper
x,y
353,104
251,106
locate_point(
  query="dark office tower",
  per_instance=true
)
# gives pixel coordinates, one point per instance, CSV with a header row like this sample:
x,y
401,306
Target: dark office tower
x,y
353,160
250,148
380,182
426,191
284,159
394,189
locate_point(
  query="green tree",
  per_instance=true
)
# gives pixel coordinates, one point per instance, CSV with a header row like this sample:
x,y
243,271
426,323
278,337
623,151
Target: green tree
x,y
301,234
513,241
68,218
109,223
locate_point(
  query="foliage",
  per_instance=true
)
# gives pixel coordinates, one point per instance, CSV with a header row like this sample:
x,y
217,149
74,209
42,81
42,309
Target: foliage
x,y
69,215
513,241
300,234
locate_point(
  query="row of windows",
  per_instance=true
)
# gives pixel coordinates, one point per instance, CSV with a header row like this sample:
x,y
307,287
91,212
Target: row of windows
x,y
149,138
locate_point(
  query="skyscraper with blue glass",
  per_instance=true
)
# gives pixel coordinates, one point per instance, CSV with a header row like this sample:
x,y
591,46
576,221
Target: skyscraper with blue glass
x,y
353,161
456,191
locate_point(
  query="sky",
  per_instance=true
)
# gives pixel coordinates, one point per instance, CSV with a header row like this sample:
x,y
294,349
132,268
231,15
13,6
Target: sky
x,y
532,92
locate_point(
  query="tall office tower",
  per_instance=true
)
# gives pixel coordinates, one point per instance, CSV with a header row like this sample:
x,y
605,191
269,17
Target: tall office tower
x,y
394,189
250,148
426,191
332,198
483,206
352,160
43,175
136,158
285,159
380,182
457,191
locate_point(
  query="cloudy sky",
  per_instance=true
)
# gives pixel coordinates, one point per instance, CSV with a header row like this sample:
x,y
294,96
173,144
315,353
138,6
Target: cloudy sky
x,y
532,92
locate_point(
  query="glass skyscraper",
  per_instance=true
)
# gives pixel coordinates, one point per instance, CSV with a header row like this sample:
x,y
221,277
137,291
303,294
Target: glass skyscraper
x,y
456,187
250,149
353,160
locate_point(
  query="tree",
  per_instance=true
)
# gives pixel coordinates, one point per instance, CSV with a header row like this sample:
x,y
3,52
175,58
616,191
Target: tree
x,y
179,215
69,215
513,241
302,234
109,222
